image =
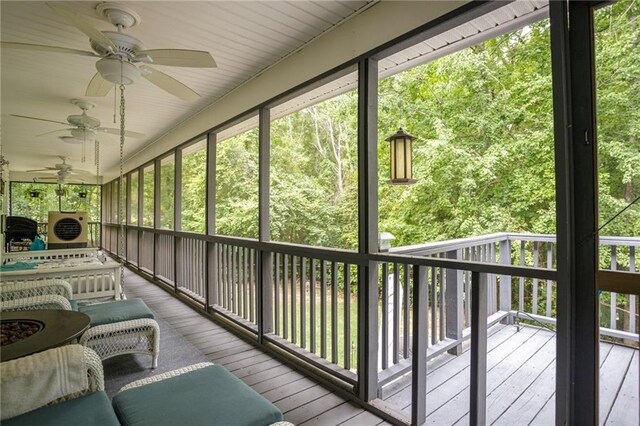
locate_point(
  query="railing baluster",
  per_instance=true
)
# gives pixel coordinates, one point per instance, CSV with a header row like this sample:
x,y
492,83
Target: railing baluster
x,y
521,280
245,283
407,289
229,271
613,308
467,290
434,307
323,309
419,356
396,312
632,298
534,291
441,308
252,284
276,295
303,302
549,282
312,305
334,312
347,316
385,316
285,304
294,320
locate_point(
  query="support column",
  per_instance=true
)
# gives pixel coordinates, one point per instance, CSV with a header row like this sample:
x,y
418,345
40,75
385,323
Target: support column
x,y
368,228
210,208
577,359
265,279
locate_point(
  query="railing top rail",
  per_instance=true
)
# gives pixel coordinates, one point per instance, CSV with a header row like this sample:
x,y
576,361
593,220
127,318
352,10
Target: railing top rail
x,y
488,268
460,243
450,245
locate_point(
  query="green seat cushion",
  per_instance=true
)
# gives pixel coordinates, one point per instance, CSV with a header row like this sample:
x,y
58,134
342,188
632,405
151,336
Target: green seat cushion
x,y
208,396
92,409
120,310
74,305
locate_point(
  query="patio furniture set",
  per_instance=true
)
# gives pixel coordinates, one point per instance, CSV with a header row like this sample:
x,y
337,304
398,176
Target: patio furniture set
x,y
114,327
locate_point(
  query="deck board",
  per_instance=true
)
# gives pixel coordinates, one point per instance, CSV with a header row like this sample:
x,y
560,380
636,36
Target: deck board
x,y
300,398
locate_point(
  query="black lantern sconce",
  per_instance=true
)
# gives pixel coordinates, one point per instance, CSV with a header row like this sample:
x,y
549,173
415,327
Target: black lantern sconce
x,y
401,144
34,194
82,194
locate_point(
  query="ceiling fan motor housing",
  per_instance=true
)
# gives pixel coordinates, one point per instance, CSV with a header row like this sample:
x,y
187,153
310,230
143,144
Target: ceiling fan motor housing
x,y
116,71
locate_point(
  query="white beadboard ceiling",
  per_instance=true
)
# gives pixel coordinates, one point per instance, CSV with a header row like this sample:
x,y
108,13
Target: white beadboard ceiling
x,y
502,20
244,37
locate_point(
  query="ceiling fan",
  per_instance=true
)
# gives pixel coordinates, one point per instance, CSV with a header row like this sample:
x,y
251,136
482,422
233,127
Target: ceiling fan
x,y
120,53
84,127
64,172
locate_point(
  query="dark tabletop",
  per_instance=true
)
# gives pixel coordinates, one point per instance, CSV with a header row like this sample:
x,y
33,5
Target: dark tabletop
x,y
59,327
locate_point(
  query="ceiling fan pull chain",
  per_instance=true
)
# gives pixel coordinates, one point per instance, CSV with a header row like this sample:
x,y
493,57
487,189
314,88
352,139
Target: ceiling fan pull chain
x,y
121,192
115,105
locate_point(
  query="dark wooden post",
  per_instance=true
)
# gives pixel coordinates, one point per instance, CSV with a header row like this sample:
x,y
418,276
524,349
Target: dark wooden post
x,y
157,181
265,266
210,208
368,228
453,303
478,406
577,354
177,212
140,208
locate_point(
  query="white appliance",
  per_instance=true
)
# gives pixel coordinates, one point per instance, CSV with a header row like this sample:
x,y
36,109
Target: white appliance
x,y
67,228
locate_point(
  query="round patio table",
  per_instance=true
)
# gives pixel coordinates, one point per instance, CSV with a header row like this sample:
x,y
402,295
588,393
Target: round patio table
x,y
58,327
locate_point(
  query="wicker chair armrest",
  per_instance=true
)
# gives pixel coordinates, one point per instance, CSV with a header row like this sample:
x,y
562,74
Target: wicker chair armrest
x,y
115,327
94,370
20,290
164,376
48,301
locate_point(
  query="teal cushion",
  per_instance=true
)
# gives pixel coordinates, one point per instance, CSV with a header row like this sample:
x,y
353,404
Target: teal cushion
x,y
92,409
74,305
120,310
208,396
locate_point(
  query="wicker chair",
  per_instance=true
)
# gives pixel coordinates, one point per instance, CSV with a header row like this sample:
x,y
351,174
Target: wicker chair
x,y
94,371
108,340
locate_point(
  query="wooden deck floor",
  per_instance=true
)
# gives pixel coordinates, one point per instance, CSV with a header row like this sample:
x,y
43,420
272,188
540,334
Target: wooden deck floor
x,y
521,382
302,400
520,386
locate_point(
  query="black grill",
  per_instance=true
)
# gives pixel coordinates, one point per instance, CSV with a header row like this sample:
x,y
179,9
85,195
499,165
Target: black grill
x,y
67,229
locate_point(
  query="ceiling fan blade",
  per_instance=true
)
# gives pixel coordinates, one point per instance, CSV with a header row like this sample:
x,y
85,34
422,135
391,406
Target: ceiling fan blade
x,y
42,170
180,58
40,119
127,133
44,48
169,84
98,86
54,132
103,138
84,26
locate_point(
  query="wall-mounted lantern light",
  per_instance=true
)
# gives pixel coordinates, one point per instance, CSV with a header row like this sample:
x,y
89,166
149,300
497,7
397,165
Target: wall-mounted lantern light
x,y
34,194
401,157
82,194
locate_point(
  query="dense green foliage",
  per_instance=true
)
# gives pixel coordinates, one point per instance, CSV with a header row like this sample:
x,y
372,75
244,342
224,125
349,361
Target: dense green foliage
x,y
483,158
22,204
